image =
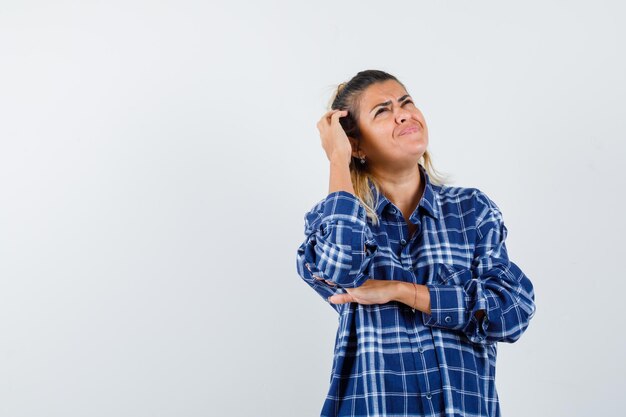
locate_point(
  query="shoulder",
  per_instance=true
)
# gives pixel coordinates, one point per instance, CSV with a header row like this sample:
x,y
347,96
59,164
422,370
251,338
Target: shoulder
x,y
468,199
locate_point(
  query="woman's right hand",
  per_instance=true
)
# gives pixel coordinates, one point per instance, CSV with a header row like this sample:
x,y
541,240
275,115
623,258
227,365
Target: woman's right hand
x,y
334,139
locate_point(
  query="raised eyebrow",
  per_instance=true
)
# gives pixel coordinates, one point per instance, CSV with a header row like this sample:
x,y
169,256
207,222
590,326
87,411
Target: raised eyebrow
x,y
388,102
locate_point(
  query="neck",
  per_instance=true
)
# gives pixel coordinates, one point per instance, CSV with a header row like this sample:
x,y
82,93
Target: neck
x,y
403,188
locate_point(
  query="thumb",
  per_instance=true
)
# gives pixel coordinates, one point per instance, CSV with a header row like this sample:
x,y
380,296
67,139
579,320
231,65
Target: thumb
x,y
340,299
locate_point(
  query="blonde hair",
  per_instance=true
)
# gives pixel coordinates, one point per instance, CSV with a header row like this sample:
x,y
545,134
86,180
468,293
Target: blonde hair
x,y
346,96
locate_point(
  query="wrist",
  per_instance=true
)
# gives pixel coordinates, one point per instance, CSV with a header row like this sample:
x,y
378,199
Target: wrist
x,y
404,292
413,295
340,161
340,178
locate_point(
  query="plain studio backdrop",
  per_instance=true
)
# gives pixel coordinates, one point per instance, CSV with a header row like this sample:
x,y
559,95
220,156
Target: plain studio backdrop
x,y
157,159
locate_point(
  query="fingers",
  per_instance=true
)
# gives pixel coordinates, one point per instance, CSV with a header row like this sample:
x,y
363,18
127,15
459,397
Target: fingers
x,y
325,119
340,299
334,112
325,280
337,114
331,116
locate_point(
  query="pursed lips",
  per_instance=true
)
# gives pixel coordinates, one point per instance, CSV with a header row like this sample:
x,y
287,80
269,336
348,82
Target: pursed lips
x,y
409,130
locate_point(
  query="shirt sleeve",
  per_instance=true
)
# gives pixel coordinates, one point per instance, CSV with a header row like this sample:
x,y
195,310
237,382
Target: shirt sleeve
x,y
338,245
493,284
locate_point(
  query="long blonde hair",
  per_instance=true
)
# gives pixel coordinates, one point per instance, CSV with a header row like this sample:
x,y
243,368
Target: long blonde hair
x,y
346,96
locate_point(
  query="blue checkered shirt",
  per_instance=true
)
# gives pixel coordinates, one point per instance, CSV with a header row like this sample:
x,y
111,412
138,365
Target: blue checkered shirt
x,y
392,361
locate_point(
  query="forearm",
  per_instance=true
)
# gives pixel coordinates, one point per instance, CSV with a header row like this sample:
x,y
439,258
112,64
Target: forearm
x,y
339,244
340,179
493,307
405,293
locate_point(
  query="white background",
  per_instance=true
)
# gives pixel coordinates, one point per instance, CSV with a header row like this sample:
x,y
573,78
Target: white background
x,y
157,159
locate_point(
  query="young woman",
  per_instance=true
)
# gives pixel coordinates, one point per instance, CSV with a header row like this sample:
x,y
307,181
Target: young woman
x,y
418,271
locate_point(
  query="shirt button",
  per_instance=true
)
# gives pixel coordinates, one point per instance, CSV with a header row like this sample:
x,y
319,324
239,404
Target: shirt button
x,y
429,396
393,210
421,350
410,268
402,242
448,319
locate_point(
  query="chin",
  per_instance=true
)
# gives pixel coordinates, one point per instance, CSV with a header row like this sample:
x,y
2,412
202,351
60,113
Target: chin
x,y
420,148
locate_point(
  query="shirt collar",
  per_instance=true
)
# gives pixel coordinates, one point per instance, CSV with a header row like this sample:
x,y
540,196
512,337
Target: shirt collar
x,y
428,203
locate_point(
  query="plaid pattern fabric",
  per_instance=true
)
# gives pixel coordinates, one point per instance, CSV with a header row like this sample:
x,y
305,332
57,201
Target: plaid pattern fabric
x,y
388,360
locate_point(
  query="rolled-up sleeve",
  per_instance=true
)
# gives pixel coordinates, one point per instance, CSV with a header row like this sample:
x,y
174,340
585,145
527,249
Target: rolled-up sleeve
x,y
493,284
338,245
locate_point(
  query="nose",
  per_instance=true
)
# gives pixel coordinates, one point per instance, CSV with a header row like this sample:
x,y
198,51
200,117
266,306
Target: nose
x,y
402,116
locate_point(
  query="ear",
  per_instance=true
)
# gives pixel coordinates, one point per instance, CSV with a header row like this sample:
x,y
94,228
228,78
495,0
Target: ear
x,y
355,146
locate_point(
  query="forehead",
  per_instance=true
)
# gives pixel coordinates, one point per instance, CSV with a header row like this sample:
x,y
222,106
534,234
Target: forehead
x,y
382,91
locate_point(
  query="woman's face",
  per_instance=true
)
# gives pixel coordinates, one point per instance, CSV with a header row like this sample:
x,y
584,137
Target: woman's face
x,y
393,129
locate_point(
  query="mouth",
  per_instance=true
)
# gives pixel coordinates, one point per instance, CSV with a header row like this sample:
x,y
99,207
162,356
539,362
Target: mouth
x,y
409,130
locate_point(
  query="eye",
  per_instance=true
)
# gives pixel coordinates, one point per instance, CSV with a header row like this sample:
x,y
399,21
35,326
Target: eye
x,y
382,109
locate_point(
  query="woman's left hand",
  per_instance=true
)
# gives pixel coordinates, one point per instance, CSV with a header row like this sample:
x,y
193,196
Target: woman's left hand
x,y
373,291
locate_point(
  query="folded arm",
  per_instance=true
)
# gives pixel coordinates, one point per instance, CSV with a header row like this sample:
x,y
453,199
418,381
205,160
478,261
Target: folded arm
x,y
338,246
493,300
